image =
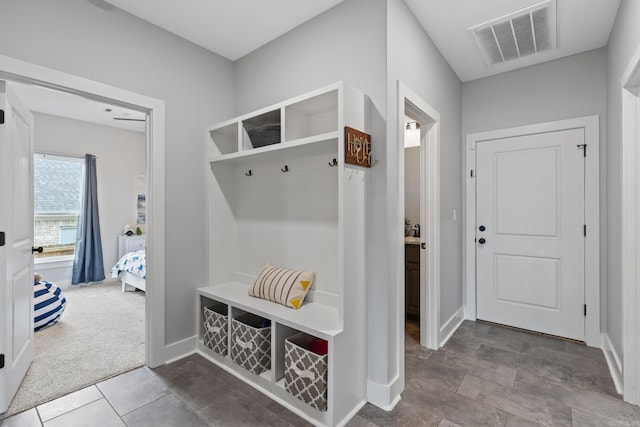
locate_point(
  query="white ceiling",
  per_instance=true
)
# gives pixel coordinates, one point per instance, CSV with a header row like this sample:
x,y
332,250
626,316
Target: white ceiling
x,y
234,28
231,28
56,103
581,26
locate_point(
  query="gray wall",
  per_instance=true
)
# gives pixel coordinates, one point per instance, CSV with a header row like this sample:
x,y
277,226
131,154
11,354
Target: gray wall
x,y
566,88
414,59
110,46
562,89
121,155
623,42
345,43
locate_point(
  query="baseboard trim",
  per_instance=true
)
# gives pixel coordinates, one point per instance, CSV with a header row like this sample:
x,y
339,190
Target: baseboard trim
x,y
451,326
613,361
180,349
351,414
384,396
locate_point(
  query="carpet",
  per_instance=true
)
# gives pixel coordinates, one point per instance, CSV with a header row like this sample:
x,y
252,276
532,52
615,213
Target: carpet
x,y
100,335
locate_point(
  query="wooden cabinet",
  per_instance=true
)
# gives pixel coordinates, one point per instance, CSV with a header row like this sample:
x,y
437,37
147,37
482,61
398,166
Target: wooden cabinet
x,y
289,199
412,280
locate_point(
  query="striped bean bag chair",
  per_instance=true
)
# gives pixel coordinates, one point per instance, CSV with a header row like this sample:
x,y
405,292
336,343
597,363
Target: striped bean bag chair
x,y
48,304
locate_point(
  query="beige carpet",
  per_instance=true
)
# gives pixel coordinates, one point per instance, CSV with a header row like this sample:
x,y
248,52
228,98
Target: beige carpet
x,y
100,334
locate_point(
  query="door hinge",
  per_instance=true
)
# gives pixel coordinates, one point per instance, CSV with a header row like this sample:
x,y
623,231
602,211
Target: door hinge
x,y
585,309
1,117
584,230
1,361
584,148
472,174
2,241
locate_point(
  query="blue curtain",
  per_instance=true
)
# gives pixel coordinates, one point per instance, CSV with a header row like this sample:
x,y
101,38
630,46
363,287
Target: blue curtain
x,y
88,265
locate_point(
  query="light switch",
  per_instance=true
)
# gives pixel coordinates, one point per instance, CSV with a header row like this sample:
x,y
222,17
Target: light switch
x,y
455,215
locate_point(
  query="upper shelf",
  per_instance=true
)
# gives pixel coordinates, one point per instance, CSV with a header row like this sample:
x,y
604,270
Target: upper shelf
x,y
299,122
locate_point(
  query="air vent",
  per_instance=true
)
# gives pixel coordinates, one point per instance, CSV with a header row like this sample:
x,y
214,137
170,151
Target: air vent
x,y
525,32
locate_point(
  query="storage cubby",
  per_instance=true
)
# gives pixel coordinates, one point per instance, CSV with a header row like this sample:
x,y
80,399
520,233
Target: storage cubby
x,y
313,116
305,375
261,130
215,327
291,205
251,342
224,139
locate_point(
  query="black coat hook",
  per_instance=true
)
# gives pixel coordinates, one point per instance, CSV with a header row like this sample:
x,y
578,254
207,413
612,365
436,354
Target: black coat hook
x,y
333,163
249,173
285,169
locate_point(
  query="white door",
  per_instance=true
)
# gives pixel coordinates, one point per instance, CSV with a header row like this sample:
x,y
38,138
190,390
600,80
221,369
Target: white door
x,y
16,260
530,245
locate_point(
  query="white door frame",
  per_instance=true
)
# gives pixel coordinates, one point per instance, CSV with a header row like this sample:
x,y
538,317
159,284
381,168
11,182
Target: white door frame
x,y
591,127
16,70
429,120
630,231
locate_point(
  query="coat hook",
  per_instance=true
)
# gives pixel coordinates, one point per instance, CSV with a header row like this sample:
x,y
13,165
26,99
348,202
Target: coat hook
x,y
285,169
249,173
333,163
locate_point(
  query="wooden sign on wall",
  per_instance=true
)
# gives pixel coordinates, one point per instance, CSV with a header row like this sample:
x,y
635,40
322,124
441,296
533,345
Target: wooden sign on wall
x,y
357,147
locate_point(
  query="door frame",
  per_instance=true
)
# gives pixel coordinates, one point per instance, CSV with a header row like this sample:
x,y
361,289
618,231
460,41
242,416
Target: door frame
x,y
411,104
24,72
591,126
629,370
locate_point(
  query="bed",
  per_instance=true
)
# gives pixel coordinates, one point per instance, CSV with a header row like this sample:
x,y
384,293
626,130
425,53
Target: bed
x,y
131,270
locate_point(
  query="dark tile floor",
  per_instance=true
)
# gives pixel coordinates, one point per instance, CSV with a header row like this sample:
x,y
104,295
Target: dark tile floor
x,y
485,375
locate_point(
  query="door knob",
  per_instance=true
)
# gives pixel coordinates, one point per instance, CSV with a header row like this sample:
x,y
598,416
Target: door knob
x,y
39,249
482,240
482,228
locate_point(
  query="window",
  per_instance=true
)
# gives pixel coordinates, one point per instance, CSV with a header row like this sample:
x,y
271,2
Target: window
x,y
57,190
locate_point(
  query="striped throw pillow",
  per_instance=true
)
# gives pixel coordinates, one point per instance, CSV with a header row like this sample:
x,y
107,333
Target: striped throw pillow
x,y
286,287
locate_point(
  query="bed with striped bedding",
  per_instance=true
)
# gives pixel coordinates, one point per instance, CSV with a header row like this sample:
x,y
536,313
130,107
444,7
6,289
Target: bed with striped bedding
x,y
48,304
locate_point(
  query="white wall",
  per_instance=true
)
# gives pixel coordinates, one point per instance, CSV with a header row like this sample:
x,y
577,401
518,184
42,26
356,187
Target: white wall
x,y
569,87
121,155
623,42
93,40
412,185
414,59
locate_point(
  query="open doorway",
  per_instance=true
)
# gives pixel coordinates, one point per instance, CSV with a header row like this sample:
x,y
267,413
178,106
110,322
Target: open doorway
x,y
90,330
418,128
23,72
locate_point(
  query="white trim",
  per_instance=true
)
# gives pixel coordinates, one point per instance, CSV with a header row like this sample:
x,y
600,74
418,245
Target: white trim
x,y
613,361
429,216
591,125
181,349
451,326
17,70
384,396
631,230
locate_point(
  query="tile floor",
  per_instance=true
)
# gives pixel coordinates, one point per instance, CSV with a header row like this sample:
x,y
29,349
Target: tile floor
x,y
485,375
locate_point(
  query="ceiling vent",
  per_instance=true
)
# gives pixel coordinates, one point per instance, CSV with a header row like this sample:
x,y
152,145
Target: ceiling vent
x,y
526,32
